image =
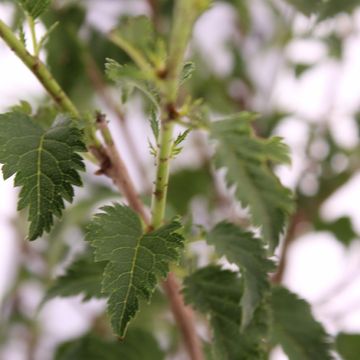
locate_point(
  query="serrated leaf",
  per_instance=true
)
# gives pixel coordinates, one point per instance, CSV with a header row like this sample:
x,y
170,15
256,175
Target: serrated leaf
x,y
82,277
246,158
91,347
348,346
295,329
217,293
34,8
130,76
134,259
247,252
45,163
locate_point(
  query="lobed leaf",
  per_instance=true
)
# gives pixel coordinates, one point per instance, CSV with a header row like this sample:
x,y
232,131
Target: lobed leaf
x,y
295,329
217,293
247,252
246,158
45,163
134,259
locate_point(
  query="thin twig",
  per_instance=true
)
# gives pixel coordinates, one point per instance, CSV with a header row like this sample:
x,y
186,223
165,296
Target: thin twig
x,y
117,170
101,88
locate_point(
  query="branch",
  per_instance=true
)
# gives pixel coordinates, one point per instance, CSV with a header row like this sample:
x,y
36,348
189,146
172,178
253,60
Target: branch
x,y
101,88
38,68
118,171
184,17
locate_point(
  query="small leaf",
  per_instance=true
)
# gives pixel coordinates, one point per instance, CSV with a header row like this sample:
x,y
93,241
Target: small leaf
x,y
45,163
82,277
295,329
35,8
217,293
154,123
187,71
247,252
134,259
246,158
348,346
91,347
129,76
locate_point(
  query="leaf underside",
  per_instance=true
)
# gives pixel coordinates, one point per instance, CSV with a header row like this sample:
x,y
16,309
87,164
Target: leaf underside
x,y
134,260
45,163
246,159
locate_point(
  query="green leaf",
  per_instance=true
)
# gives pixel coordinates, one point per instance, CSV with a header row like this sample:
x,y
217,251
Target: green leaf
x,y
247,252
187,71
348,346
342,228
307,7
217,293
295,329
137,345
82,277
134,259
45,164
34,8
131,27
246,158
128,77
180,193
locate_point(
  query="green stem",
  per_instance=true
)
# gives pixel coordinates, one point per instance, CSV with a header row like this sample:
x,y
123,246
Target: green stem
x,y
162,174
33,34
136,55
38,68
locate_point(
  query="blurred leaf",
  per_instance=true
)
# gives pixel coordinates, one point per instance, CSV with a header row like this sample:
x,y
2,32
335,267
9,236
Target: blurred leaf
x,y
34,8
180,193
246,158
342,228
64,53
46,165
217,293
137,345
247,252
134,259
295,329
308,7
129,76
348,346
83,276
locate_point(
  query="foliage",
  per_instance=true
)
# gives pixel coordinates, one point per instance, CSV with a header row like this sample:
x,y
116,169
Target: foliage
x,y
221,127
134,259
45,163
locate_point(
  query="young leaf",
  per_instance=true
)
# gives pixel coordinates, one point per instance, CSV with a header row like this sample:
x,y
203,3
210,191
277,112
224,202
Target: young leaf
x,y
295,329
82,277
34,8
45,164
187,71
217,293
246,251
246,158
91,347
129,76
134,259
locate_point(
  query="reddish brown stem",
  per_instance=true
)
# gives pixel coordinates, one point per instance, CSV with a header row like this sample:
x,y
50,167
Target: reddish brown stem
x,y
184,317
